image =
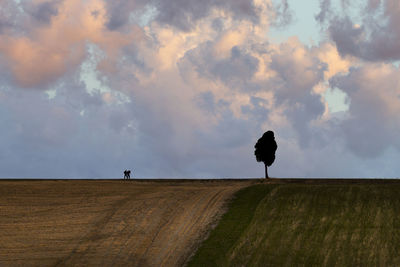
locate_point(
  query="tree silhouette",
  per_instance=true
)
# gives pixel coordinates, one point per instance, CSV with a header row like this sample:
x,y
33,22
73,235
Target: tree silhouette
x,y
265,150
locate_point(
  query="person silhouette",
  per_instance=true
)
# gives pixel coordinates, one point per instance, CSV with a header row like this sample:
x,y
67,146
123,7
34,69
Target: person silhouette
x,y
125,174
129,174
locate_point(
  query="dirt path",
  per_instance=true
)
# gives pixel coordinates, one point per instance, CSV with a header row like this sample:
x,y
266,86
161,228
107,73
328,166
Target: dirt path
x,y
107,223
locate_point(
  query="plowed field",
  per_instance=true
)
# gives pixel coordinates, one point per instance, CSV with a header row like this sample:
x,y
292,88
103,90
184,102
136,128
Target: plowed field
x,y
107,223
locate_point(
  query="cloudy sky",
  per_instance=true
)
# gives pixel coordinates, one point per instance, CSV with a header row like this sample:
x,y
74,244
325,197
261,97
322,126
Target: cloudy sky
x,y
184,88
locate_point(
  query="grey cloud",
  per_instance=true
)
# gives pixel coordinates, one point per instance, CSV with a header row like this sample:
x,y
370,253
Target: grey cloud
x,y
131,57
239,68
184,14
217,24
206,101
366,139
283,14
372,125
4,24
10,17
373,4
119,12
377,38
44,11
293,88
50,138
307,109
171,143
168,129
324,12
336,142
257,109
295,79
231,132
347,37
100,144
235,71
227,148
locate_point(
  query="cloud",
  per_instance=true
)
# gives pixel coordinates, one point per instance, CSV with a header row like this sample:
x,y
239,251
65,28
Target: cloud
x,y
328,54
182,89
283,14
43,11
24,56
298,70
372,125
118,12
325,6
46,138
235,71
373,37
177,13
61,46
9,14
185,14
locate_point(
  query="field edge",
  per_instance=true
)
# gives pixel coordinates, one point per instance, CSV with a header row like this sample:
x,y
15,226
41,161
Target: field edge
x,y
240,212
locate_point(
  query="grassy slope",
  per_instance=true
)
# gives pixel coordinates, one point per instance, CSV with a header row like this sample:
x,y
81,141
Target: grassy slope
x,y
298,224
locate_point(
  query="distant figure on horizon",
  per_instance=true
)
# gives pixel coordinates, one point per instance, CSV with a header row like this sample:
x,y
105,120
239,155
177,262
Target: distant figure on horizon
x,y
265,149
127,174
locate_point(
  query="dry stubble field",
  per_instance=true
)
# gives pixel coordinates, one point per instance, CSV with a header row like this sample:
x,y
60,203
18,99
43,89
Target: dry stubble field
x,y
107,222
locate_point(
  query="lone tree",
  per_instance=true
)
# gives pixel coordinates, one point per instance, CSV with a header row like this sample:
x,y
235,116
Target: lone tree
x,y
265,150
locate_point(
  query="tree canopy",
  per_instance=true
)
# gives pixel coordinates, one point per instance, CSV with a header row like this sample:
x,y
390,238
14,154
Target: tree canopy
x,y
265,149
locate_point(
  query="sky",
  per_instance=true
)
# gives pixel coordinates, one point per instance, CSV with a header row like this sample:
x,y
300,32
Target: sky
x,y
184,88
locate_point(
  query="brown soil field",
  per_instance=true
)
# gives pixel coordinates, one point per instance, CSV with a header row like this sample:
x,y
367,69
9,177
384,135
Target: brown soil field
x,y
108,222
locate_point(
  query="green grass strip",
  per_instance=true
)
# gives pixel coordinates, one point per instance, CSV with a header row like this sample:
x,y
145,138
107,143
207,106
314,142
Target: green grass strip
x,y
214,250
307,225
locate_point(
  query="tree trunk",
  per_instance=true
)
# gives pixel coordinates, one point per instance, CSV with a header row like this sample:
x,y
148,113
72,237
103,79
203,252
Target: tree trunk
x,y
266,171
